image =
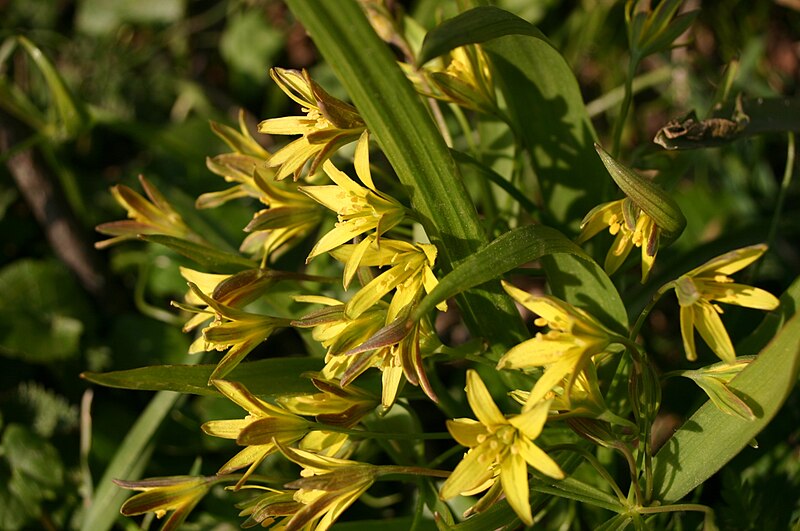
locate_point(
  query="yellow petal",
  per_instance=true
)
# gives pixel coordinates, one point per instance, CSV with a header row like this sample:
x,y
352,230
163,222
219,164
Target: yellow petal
x,y
514,478
474,470
481,401
618,252
730,262
746,296
341,179
361,161
713,331
537,352
466,432
539,460
597,220
226,429
553,376
548,308
530,422
392,377
687,332
289,125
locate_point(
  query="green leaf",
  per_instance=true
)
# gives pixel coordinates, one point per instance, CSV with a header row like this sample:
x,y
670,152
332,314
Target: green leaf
x,y
469,164
577,490
72,117
32,458
269,377
584,284
249,45
470,27
512,249
128,463
215,260
43,314
772,322
546,108
413,145
98,17
711,438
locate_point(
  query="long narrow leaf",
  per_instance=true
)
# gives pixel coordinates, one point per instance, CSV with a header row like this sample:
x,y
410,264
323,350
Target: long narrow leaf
x,y
512,249
397,119
128,463
474,26
270,377
711,438
545,104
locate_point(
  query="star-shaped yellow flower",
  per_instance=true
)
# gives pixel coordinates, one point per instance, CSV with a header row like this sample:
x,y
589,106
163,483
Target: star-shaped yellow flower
x,y
498,444
360,209
574,337
632,228
329,124
700,288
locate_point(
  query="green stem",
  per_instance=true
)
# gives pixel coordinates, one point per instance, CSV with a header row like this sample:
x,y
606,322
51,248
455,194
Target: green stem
x,y
444,456
394,470
787,180
647,309
382,435
595,464
676,508
619,125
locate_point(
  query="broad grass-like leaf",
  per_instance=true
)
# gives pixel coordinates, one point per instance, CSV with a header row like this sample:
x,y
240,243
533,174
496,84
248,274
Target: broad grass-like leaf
x,y
711,438
215,260
512,249
269,377
545,105
584,284
129,463
411,142
470,27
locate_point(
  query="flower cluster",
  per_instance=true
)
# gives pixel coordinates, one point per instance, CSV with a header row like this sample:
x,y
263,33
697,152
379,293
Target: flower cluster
x,y
579,373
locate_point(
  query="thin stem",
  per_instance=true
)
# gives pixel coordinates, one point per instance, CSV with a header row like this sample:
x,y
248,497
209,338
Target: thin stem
x,y
647,309
619,125
595,464
382,435
444,456
676,508
787,180
633,472
392,470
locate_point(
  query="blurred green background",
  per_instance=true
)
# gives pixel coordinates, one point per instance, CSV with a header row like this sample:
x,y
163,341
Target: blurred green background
x,y
147,76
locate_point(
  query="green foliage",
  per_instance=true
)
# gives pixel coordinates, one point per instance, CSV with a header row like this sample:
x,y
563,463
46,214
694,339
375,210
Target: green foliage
x,y
44,314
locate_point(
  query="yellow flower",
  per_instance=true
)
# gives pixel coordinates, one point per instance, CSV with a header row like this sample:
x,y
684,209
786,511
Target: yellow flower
x,y
565,350
329,124
360,209
278,424
327,487
699,289
334,404
498,445
235,330
160,495
153,216
410,273
290,217
631,226
238,166
354,345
